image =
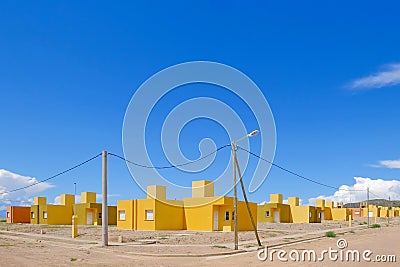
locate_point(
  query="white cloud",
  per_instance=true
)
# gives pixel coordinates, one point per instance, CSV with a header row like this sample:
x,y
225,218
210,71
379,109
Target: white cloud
x,y
378,189
10,181
391,164
388,77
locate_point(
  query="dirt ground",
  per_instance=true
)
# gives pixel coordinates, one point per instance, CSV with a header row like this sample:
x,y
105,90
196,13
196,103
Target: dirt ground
x,y
40,245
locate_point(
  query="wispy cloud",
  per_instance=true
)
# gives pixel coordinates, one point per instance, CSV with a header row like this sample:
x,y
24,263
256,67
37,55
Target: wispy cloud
x,y
390,164
379,189
10,181
389,76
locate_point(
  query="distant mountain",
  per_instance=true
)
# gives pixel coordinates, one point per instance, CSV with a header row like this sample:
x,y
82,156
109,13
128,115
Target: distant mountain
x,y
376,202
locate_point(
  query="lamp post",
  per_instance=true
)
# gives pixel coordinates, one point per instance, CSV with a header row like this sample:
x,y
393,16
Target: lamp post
x,y
235,200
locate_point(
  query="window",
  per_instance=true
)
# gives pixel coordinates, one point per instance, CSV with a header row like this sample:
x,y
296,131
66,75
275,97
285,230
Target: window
x,y
310,214
8,214
121,215
32,215
149,215
319,215
357,213
267,213
226,215
233,215
44,214
99,215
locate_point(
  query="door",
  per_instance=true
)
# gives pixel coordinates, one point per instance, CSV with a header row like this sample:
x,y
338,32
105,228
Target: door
x,y
215,220
89,217
277,216
322,216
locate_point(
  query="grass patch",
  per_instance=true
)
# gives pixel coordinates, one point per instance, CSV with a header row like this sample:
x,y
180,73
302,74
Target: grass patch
x,y
219,246
375,225
92,243
3,221
330,234
352,232
288,239
163,238
73,259
6,245
249,246
365,223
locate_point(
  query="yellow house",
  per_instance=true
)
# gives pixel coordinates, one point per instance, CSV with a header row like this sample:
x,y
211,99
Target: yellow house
x,y
153,213
326,208
340,213
373,211
206,212
90,213
303,214
202,212
330,212
394,212
43,213
274,211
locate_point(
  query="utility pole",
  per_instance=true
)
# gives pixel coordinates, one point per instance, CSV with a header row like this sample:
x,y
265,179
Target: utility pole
x,y
235,200
104,213
389,208
247,203
74,197
235,213
368,205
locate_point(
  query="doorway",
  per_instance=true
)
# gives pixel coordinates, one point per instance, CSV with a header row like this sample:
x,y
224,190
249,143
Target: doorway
x,y
215,220
277,216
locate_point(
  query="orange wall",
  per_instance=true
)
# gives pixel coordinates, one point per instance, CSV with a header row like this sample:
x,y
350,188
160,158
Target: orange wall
x,y
18,214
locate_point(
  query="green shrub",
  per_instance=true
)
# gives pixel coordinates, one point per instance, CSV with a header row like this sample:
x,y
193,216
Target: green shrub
x,y
375,225
330,234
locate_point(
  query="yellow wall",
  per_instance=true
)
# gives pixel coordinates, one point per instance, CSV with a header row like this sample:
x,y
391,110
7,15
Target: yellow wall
x,y
142,206
301,214
293,201
157,192
82,209
128,207
67,200
275,198
88,197
169,215
284,212
320,203
199,213
202,188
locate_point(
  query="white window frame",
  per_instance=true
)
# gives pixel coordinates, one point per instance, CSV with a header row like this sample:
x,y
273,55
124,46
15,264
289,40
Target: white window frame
x,y
44,214
149,215
32,215
122,215
8,215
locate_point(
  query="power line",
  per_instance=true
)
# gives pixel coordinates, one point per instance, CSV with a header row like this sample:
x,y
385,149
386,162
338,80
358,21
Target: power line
x,y
295,174
170,166
54,176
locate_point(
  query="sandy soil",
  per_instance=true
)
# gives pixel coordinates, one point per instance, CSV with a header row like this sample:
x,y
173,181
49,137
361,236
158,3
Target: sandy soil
x,y
54,247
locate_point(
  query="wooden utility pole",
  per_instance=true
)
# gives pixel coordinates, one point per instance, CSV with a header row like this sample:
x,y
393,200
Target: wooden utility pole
x,y
235,204
247,203
368,205
104,213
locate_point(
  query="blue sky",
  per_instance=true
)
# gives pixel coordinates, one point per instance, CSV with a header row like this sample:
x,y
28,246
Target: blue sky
x,y
329,72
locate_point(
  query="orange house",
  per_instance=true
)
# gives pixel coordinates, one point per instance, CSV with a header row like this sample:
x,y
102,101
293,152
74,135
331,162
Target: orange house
x,y
16,214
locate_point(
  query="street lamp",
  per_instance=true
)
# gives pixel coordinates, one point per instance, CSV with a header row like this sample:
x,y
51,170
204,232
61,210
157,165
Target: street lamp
x,y
235,201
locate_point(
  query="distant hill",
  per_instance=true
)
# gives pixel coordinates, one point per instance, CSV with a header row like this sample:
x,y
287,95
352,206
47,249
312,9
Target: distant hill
x,y
376,202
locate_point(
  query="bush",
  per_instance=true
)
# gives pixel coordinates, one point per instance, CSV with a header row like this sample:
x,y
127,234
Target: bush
x,y
375,225
330,234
